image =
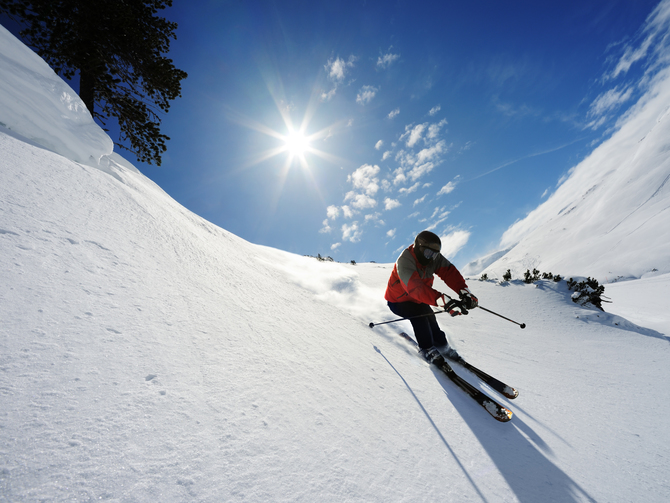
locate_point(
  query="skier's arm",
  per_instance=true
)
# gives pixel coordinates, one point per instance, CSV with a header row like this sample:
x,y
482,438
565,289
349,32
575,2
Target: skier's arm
x,y
448,273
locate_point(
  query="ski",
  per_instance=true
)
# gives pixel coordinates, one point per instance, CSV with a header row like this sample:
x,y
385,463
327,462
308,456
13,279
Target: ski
x,y
498,411
494,383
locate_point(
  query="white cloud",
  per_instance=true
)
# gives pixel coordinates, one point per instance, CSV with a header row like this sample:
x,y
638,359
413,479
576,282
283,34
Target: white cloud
x,y
347,211
337,71
386,155
420,170
390,204
434,110
335,246
391,233
403,157
329,95
409,190
430,153
365,178
441,212
337,68
365,94
420,200
434,129
360,201
607,102
326,227
379,144
399,176
332,212
655,43
351,233
414,134
385,61
374,217
447,189
630,57
394,113
453,242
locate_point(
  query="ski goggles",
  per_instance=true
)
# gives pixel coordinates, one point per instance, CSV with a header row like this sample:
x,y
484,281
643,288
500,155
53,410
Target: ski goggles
x,y
430,254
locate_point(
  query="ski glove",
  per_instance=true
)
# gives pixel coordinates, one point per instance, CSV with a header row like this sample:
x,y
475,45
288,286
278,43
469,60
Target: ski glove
x,y
469,300
455,307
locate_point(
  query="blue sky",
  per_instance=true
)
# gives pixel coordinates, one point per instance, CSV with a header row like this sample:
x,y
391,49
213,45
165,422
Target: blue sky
x,y
459,117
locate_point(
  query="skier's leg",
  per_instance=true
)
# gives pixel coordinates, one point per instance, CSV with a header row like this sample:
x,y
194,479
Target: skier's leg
x,y
439,337
422,326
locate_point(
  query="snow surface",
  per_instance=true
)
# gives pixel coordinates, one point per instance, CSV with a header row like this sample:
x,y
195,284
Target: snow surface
x,y
40,106
148,355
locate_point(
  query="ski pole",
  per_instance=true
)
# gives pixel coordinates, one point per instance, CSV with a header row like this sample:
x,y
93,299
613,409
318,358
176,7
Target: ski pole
x,y
449,308
372,324
522,325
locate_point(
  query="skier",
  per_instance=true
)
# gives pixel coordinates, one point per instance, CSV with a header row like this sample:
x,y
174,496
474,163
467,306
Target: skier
x,y
410,293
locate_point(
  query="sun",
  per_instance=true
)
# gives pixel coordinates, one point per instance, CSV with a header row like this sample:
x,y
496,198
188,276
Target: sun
x,y
296,143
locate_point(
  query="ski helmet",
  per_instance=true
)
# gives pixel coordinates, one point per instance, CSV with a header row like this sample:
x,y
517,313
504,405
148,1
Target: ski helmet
x,y
427,246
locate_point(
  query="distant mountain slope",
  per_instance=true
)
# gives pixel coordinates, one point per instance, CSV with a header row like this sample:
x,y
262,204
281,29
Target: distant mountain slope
x,y
611,217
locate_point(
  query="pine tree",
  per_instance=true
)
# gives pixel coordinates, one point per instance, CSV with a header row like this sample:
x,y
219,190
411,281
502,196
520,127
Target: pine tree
x,y
117,49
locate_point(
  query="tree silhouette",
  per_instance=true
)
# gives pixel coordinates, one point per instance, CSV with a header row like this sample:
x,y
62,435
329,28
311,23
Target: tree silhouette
x,y
117,48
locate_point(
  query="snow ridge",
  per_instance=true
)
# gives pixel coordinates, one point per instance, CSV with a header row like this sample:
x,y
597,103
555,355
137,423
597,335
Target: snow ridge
x,y
37,104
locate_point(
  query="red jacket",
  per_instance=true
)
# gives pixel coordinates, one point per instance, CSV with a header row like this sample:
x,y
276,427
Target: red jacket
x,y
410,281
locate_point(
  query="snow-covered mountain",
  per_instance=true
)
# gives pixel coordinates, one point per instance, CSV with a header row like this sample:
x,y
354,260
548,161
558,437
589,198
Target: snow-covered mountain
x,y
609,218
148,355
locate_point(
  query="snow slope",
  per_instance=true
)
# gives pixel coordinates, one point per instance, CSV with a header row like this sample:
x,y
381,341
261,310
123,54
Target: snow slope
x,y
609,218
40,106
148,355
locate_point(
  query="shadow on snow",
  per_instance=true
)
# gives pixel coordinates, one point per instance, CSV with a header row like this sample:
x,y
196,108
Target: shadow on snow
x,y
515,449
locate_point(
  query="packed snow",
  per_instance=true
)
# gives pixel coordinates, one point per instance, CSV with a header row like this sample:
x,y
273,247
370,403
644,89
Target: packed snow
x,y
148,355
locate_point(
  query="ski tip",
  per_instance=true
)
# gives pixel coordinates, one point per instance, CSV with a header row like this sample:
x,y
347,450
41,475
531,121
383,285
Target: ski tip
x,y
506,416
510,392
502,414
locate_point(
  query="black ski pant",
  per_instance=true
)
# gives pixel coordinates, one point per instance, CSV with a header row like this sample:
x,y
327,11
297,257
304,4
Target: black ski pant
x,y
426,330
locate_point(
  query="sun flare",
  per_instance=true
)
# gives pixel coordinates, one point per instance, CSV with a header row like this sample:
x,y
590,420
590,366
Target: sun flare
x,y
296,143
